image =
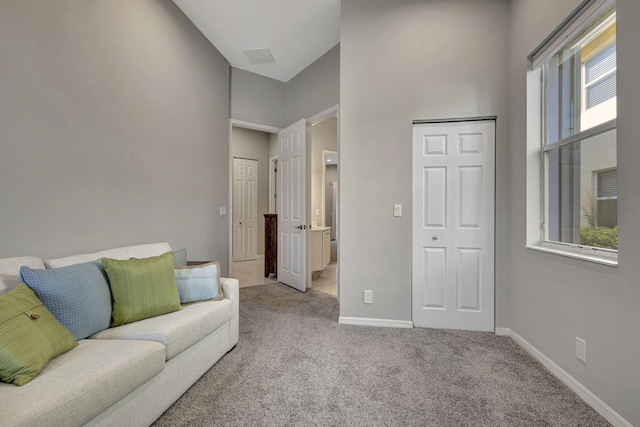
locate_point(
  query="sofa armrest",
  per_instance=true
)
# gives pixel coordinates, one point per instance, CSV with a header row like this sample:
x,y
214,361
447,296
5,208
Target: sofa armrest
x,y
231,290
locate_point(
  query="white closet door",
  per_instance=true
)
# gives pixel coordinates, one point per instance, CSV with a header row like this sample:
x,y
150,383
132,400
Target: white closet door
x,y
453,225
245,209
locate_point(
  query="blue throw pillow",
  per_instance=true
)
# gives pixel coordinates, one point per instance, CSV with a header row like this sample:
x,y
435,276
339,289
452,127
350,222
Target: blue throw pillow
x,y
199,282
77,295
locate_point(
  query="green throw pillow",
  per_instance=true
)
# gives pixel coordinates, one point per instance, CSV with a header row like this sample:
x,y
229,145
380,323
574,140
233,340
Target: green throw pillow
x,y
29,336
141,288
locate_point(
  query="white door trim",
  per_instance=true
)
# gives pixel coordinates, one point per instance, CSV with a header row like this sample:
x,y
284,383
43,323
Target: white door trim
x,y
324,115
273,165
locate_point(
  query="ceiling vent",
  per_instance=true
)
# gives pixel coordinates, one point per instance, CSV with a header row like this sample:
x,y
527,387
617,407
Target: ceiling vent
x,y
259,56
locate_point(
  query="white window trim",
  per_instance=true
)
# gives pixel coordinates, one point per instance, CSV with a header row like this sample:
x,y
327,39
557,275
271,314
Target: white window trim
x,y
585,253
536,185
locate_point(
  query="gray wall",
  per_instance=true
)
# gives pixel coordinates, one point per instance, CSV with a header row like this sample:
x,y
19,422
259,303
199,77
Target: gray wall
x,y
113,129
314,89
257,99
554,299
251,144
403,60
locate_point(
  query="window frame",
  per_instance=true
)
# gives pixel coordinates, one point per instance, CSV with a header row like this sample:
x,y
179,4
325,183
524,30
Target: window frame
x,y
537,148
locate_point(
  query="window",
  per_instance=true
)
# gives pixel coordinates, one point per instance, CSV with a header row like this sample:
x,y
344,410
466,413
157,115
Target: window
x,y
577,144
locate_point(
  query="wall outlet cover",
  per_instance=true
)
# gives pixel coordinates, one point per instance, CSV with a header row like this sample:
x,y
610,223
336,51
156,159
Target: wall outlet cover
x,y
368,297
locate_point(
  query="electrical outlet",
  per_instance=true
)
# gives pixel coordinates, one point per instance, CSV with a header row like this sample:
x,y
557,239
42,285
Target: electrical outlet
x,y
223,211
368,297
581,349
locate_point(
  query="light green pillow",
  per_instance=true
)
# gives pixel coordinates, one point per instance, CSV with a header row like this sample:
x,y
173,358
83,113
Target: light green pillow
x,y
29,336
141,288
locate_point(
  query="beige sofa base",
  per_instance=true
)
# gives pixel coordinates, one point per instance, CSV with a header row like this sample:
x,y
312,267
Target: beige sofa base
x,y
145,404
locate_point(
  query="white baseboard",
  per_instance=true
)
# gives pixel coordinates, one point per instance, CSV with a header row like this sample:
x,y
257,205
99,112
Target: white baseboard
x,y
505,332
365,321
591,399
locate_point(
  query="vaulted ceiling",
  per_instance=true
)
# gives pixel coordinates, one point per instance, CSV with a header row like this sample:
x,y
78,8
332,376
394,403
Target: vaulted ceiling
x,y
296,32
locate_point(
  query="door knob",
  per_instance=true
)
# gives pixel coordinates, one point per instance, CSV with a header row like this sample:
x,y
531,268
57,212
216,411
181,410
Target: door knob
x,y
301,227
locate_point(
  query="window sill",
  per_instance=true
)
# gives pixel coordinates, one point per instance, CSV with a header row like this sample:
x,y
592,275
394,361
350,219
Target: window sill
x,y
611,261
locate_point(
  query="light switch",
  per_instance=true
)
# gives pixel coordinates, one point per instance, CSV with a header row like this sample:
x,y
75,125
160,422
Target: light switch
x,y
223,211
397,210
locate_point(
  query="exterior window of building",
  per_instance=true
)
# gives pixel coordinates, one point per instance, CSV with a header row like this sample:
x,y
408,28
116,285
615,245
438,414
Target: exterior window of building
x,y
606,213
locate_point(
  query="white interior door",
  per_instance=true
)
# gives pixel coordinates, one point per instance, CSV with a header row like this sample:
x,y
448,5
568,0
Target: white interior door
x,y
245,209
453,225
292,206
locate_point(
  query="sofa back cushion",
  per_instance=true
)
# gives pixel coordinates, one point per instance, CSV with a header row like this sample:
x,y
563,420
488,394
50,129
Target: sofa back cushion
x,y
141,288
77,295
127,252
10,270
29,336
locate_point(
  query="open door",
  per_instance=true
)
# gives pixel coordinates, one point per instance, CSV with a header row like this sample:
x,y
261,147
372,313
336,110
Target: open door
x,y
292,206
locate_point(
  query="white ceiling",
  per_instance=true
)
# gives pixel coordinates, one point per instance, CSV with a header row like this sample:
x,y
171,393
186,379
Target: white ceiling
x,y
297,32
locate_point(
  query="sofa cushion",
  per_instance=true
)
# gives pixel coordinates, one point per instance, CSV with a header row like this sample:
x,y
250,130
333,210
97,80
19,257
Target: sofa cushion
x,y
178,330
77,295
141,288
29,336
77,386
199,282
127,252
10,270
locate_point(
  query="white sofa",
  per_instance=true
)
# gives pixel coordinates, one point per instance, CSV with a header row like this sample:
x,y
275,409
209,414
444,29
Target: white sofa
x,y
127,375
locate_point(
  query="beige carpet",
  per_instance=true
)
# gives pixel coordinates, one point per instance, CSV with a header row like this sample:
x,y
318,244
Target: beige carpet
x,y
295,366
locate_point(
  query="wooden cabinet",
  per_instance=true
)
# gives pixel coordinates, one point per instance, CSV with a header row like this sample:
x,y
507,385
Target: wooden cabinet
x,y
320,248
270,244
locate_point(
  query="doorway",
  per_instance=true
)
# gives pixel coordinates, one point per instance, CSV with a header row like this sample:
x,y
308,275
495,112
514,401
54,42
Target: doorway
x,y
453,224
325,205
250,151
277,170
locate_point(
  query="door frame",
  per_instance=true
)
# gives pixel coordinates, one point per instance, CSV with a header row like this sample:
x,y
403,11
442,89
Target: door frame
x,y
452,121
246,125
273,181
333,111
